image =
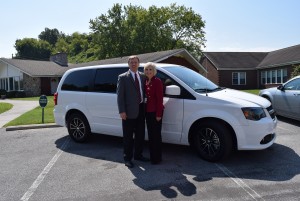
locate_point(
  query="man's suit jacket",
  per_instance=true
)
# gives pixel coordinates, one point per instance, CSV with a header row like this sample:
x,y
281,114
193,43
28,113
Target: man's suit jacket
x,y
128,94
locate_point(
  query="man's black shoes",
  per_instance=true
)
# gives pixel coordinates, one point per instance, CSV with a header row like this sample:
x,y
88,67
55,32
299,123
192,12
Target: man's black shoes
x,y
141,158
129,164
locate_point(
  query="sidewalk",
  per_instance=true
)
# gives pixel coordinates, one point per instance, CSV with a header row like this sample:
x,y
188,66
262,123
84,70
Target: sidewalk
x,y
19,107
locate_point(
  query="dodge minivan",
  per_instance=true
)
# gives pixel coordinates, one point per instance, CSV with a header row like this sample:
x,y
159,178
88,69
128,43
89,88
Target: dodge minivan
x,y
213,120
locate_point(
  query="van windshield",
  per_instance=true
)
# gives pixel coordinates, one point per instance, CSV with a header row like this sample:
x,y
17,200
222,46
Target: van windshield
x,y
193,79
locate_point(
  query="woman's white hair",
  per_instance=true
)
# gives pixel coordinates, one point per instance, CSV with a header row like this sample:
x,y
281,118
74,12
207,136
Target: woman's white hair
x,y
152,66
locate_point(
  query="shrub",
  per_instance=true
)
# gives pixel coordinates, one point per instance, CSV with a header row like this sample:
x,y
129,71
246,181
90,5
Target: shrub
x,y
20,94
3,92
11,94
296,70
15,94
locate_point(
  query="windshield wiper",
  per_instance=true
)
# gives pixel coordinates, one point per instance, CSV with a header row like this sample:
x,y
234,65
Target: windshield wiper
x,y
218,88
203,90
209,90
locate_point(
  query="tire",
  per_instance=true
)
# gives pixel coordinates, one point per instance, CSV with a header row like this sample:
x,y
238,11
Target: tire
x,y
78,127
212,141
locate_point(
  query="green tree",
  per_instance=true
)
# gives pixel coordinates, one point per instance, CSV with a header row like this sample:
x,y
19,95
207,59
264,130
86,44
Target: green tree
x,y
110,33
150,30
61,46
50,35
123,31
78,46
296,70
135,30
187,28
34,49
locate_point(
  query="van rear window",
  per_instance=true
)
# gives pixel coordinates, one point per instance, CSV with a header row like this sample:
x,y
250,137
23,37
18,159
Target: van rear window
x,y
78,81
106,79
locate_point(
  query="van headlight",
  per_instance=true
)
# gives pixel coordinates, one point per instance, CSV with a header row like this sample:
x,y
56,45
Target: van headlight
x,y
254,113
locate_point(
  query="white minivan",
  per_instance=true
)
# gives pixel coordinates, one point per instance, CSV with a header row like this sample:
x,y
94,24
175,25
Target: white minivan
x,y
212,119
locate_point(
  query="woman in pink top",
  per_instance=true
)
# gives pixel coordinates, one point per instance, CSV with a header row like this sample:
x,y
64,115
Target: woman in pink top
x,y
154,111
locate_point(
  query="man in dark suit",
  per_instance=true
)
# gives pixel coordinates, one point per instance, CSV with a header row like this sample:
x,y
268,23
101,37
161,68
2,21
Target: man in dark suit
x,y
130,91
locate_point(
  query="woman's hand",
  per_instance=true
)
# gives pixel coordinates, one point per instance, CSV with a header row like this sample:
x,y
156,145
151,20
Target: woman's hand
x,y
158,118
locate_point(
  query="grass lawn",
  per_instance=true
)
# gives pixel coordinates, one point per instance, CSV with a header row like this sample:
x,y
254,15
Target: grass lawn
x,y
5,107
252,91
35,116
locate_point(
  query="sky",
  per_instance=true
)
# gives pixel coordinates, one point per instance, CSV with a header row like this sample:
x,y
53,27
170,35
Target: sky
x,y
230,25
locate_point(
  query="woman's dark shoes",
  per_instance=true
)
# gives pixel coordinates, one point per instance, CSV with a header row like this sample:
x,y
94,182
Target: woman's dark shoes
x,y
129,164
155,162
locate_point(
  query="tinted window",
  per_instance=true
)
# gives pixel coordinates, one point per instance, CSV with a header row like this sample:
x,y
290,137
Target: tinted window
x,y
193,79
293,85
167,81
106,79
78,81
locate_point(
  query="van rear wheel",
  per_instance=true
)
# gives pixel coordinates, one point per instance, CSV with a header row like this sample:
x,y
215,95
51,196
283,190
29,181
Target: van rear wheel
x,y
212,141
78,127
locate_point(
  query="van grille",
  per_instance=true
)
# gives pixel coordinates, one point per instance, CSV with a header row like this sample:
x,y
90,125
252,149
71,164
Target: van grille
x,y
271,112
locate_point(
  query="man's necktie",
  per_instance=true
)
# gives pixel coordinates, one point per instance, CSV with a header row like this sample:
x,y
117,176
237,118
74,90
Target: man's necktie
x,y
137,83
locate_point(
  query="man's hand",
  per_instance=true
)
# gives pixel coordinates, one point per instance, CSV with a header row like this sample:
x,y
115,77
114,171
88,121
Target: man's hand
x,y
158,118
123,115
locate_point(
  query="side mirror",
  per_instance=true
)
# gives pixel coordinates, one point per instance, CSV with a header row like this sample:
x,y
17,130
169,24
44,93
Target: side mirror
x,y
172,90
280,87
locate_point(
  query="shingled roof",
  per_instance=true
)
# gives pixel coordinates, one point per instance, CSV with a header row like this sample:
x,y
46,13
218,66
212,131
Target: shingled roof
x,y
235,60
51,69
254,60
36,68
285,56
148,57
153,57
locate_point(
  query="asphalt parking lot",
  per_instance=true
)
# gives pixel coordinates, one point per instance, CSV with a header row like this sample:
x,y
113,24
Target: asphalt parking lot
x,y
44,164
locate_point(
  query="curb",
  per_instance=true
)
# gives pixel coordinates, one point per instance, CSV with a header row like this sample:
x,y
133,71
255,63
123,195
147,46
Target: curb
x,y
32,126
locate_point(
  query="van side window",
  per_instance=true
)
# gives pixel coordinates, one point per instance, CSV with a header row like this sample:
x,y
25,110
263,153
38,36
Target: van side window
x,y
167,81
106,79
77,81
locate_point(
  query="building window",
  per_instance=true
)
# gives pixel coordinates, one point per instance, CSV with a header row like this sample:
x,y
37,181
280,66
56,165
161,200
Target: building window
x,y
285,78
12,83
17,83
278,76
239,78
21,83
269,77
274,76
3,83
263,77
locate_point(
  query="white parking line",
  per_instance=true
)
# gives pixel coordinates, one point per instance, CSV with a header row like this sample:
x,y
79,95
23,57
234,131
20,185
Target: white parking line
x,y
240,182
43,174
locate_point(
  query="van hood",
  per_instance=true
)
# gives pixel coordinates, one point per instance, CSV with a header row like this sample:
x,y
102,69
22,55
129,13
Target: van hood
x,y
239,97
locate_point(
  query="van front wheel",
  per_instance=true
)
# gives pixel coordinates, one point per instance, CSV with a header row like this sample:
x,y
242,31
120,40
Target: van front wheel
x,y
78,127
212,141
